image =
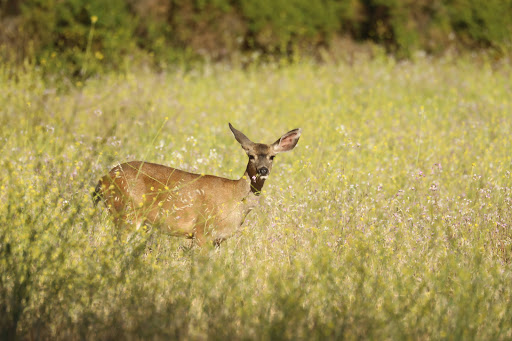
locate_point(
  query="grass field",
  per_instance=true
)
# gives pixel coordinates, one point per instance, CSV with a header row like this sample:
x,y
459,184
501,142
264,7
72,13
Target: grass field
x,y
390,220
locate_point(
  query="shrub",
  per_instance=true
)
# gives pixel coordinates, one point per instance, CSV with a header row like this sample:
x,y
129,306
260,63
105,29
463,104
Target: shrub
x,y
78,35
62,35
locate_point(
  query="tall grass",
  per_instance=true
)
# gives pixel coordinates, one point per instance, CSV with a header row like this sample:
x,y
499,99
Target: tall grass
x,y
390,220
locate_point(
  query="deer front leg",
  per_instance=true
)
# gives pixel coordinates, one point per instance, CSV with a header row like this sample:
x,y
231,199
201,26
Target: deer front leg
x,y
218,241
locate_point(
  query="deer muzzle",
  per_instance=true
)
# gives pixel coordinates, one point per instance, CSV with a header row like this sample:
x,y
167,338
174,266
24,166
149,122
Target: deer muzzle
x,y
263,171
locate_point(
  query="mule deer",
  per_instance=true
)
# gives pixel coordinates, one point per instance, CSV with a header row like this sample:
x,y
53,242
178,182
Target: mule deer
x,y
201,207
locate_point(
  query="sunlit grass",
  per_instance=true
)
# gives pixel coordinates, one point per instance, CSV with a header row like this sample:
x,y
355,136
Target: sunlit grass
x,y
391,219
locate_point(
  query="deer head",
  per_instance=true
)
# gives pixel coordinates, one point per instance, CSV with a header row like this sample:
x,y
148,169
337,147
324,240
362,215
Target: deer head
x,y
261,156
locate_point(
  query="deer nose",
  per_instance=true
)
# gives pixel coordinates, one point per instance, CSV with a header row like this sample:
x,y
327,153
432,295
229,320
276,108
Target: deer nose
x,y
263,171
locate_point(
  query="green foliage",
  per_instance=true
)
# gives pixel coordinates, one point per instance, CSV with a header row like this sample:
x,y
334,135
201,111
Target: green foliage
x,y
488,23
79,35
390,220
62,36
275,24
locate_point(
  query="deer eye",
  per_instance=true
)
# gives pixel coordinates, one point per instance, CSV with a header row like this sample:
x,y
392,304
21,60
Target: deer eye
x,y
251,157
272,157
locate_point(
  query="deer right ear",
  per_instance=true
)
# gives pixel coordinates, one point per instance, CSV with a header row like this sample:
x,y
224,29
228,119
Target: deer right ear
x,y
288,141
241,138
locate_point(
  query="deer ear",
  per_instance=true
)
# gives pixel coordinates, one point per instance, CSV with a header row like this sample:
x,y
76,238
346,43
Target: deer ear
x,y
241,138
287,142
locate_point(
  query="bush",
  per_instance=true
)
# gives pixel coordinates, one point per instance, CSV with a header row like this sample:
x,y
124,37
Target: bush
x,y
275,24
63,36
486,23
79,36
404,25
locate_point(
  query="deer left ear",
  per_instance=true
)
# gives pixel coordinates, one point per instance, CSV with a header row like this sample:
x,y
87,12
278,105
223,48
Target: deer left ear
x,y
241,138
287,142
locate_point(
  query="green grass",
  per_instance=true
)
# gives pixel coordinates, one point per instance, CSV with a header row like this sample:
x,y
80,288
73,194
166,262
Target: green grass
x,y
390,220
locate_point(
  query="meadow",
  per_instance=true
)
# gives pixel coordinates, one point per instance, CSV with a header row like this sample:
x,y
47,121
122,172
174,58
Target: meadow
x,y
391,219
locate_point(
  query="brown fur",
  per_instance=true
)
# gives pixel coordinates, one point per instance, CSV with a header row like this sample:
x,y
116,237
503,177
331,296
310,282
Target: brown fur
x,y
203,207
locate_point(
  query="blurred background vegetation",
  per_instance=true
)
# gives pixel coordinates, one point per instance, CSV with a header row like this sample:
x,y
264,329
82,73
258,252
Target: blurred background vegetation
x,y
82,37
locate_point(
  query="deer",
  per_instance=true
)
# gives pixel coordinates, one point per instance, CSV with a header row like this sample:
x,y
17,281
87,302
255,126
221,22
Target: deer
x,y
183,204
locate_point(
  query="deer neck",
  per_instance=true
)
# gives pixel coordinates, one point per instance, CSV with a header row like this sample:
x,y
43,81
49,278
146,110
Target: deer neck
x,y
254,181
